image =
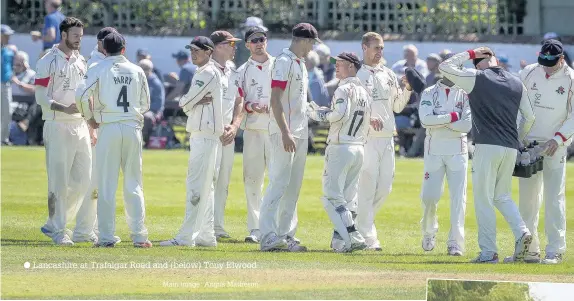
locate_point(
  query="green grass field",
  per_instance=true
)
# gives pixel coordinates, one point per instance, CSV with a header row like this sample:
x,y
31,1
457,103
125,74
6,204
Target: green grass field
x,y
399,272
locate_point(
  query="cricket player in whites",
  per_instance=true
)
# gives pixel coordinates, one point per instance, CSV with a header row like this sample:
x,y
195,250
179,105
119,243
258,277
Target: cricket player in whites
x,y
495,97
86,225
232,105
205,125
349,116
445,113
550,83
379,168
121,97
66,135
254,83
288,130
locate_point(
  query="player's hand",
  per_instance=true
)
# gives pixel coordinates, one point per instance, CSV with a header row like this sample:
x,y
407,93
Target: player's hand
x,y
523,64
405,83
71,109
229,132
550,147
482,52
205,100
93,124
93,134
288,142
256,107
377,123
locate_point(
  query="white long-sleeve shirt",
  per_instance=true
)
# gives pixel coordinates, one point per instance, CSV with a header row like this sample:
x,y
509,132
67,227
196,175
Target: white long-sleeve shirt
x,y
57,78
204,120
387,96
552,97
445,112
95,57
254,81
496,96
229,89
350,113
120,92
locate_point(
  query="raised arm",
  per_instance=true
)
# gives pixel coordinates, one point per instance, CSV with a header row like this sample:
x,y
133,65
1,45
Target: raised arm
x,y
452,69
464,124
400,97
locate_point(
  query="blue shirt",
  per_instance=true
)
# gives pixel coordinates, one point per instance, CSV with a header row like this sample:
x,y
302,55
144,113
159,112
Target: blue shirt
x,y
319,93
156,93
7,62
186,74
53,20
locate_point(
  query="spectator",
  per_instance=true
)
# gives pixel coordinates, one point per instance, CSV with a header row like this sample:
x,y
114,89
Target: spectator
x,y
555,36
446,53
411,59
185,75
51,31
325,62
157,99
7,73
23,79
433,60
317,87
503,62
242,54
144,54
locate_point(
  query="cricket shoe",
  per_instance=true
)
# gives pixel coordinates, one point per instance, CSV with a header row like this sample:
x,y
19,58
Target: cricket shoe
x,y
357,241
173,243
552,259
454,250
93,238
530,257
253,237
273,243
294,245
222,236
521,247
63,240
108,244
337,242
428,242
143,244
482,258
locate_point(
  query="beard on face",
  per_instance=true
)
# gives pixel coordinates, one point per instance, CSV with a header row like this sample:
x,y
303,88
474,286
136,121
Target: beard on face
x,y
72,45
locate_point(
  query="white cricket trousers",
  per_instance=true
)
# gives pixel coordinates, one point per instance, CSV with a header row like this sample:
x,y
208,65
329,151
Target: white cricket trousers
x,y
550,185
492,168
375,185
86,218
279,206
120,147
435,169
202,171
343,163
222,186
68,163
256,157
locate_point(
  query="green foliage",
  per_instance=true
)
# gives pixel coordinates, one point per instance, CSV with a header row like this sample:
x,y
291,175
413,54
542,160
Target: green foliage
x,y
457,290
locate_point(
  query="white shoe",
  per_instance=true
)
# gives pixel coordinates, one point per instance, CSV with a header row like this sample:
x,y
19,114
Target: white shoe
x,y
357,241
93,238
295,246
273,243
552,259
454,250
63,240
172,243
428,242
521,247
485,259
253,237
528,258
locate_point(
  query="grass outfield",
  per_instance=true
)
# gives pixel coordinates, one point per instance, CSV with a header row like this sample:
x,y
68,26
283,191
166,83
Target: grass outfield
x,y
399,272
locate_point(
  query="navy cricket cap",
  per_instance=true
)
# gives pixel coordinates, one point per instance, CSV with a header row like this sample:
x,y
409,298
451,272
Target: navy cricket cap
x,y
104,32
201,43
114,43
181,55
252,31
349,57
550,53
415,79
306,30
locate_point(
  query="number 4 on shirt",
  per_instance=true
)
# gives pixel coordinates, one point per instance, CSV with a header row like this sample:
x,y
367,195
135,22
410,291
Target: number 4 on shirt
x,y
123,98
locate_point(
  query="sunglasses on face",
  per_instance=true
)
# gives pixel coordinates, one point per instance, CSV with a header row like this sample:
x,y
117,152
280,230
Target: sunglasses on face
x,y
548,56
231,43
258,40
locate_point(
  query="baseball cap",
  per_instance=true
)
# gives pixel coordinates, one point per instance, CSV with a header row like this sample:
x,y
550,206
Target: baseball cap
x,y
6,30
114,42
254,22
503,59
220,36
104,32
550,53
181,55
253,30
142,52
306,30
550,35
415,79
199,42
349,57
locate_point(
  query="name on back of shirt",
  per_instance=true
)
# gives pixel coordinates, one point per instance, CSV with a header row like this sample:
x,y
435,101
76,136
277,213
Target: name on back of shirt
x,y
122,80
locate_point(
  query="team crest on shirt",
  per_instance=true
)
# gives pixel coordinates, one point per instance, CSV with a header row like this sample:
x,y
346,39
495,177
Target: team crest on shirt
x,y
298,78
116,67
426,103
560,90
534,88
340,100
199,83
459,105
253,82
